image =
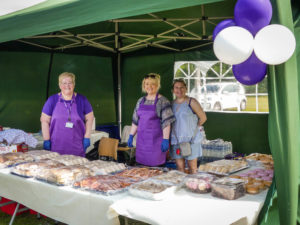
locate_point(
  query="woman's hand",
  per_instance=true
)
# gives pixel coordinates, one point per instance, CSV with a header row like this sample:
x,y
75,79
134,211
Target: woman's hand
x,y
130,140
47,145
86,143
165,145
133,131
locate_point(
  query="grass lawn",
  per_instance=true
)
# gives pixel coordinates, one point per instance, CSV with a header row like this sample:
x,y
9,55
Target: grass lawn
x,y
28,219
263,105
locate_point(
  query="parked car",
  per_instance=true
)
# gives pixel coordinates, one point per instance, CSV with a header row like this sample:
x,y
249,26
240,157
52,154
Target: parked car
x,y
220,96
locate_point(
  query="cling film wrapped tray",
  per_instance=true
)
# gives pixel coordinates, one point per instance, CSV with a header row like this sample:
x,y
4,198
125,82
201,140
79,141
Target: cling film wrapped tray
x,y
104,184
33,169
174,176
12,159
223,167
66,175
152,189
140,173
101,167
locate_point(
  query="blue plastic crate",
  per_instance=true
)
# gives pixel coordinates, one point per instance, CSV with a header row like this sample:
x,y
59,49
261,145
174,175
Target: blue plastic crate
x,y
112,130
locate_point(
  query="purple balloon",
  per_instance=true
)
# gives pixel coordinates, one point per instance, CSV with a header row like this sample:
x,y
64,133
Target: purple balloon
x,y
222,25
250,72
253,14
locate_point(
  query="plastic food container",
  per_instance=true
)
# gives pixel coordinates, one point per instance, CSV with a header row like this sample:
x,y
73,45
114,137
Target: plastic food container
x,y
228,188
175,177
152,189
104,184
224,167
199,183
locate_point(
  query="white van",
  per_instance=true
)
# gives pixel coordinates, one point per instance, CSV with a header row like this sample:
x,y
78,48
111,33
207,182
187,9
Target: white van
x,y
220,96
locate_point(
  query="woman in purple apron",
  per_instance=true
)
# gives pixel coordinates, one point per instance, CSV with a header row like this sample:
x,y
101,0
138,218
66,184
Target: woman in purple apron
x,y
151,121
67,119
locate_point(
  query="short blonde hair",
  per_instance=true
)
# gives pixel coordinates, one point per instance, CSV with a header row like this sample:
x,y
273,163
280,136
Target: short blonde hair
x,y
153,77
64,75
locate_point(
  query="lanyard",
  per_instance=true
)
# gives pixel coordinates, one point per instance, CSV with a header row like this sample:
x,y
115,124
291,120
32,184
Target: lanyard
x,y
68,107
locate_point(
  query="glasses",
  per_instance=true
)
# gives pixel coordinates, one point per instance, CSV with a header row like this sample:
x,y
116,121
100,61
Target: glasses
x,y
150,76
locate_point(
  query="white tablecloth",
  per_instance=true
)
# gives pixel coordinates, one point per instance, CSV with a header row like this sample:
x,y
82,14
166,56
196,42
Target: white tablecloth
x,y
77,207
64,204
95,136
189,208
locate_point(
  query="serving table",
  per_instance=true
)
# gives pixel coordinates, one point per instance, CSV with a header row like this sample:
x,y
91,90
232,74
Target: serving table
x,y
77,207
62,203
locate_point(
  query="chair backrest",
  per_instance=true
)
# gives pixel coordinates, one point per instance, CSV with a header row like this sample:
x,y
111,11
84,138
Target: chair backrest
x,y
108,147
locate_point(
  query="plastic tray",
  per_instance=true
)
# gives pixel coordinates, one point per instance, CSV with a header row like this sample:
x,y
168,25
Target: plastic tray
x,y
199,183
49,182
228,188
171,177
168,189
20,175
226,174
106,181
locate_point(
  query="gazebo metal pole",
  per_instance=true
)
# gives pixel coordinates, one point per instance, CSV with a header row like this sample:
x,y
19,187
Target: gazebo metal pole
x,y
165,47
168,31
182,38
74,45
148,43
117,46
135,47
161,36
37,45
92,43
197,46
167,19
151,20
178,27
203,21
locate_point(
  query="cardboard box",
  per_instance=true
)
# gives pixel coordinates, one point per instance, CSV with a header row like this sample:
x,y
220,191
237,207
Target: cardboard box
x,y
13,148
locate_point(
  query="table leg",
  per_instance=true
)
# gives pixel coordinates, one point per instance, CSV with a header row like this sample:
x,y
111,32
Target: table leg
x,y
6,203
126,220
14,215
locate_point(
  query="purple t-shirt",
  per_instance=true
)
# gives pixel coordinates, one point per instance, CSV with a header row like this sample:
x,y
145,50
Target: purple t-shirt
x,y
83,105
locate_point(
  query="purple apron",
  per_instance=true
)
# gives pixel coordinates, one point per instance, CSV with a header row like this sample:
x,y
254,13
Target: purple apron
x,y
66,140
149,136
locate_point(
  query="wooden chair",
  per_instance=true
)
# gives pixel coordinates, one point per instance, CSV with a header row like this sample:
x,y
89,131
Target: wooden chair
x,y
108,147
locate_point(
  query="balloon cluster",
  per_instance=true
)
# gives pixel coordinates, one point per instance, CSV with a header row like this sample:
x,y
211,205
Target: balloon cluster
x,y
249,43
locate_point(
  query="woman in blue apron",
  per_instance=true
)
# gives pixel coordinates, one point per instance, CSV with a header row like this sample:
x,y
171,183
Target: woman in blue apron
x,y
67,119
151,121
187,128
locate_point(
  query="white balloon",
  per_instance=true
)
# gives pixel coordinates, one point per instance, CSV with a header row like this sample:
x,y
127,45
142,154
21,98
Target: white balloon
x,y
233,45
274,44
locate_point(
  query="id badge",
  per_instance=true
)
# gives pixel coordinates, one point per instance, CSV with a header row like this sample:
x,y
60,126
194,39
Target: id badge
x,y
69,124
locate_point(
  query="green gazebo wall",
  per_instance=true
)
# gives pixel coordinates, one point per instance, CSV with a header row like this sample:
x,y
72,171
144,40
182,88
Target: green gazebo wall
x,y
23,86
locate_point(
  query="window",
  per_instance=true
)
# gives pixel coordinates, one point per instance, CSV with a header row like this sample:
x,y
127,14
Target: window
x,y
213,84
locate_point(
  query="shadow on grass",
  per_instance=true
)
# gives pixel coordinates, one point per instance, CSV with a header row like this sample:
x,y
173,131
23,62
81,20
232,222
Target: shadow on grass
x,y
26,219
